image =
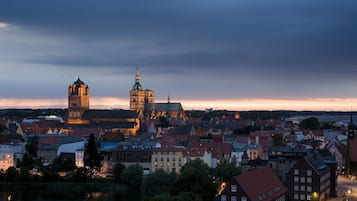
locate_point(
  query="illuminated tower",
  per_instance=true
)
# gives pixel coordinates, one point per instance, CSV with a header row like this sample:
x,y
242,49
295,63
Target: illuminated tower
x,y
138,96
78,101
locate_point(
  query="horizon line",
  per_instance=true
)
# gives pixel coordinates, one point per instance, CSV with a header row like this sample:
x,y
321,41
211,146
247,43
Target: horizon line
x,y
248,104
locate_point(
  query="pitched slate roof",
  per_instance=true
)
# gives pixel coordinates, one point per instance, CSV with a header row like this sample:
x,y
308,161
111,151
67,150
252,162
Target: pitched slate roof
x,y
168,107
317,162
261,184
109,114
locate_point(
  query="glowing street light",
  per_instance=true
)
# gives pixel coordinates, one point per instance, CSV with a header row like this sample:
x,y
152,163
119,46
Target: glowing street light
x,y
315,196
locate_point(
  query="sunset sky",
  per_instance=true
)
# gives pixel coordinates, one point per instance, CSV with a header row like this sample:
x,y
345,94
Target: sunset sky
x,y
232,54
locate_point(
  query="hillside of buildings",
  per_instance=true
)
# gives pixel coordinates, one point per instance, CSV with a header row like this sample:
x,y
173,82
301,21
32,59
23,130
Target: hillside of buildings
x,y
231,146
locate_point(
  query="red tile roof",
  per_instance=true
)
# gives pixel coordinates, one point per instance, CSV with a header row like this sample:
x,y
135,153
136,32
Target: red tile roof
x,y
266,143
261,184
243,139
261,134
169,149
217,149
194,152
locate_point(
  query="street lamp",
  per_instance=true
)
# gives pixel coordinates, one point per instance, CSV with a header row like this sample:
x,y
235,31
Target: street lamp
x,y
315,196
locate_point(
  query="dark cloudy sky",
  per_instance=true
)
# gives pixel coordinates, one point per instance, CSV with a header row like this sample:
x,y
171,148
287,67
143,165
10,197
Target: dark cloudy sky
x,y
194,50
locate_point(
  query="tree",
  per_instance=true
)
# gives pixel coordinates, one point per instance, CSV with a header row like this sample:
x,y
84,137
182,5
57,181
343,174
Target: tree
x,y
31,146
63,164
195,177
2,128
310,123
132,176
27,161
49,174
117,170
11,174
157,182
91,155
81,174
278,140
226,171
164,123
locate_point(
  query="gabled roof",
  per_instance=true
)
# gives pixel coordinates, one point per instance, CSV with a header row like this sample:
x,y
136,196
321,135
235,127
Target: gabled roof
x,y
217,149
317,162
194,152
168,107
109,114
261,184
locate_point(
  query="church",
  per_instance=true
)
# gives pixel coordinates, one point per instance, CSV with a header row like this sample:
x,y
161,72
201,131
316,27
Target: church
x,y
143,101
127,122
79,114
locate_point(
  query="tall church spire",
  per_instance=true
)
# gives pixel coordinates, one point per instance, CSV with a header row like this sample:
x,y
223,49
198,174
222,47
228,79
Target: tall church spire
x,y
137,85
137,75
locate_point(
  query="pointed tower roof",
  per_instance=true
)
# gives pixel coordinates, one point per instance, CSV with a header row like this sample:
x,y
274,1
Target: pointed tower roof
x,y
78,81
137,85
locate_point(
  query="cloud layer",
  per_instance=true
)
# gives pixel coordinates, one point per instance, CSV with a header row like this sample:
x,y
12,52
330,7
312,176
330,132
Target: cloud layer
x,y
190,49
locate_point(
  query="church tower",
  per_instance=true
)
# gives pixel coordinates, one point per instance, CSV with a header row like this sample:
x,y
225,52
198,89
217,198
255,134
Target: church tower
x,y
139,97
78,101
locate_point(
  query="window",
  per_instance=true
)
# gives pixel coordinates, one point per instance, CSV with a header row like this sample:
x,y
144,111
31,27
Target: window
x,y
296,179
296,171
234,198
223,198
302,179
234,188
296,187
308,188
308,197
302,188
309,180
243,199
309,172
296,196
302,196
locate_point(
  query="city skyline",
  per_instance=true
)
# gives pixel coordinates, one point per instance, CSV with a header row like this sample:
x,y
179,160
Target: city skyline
x,y
239,55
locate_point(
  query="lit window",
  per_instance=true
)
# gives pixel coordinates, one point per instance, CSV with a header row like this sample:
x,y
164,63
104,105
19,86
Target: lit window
x,y
234,188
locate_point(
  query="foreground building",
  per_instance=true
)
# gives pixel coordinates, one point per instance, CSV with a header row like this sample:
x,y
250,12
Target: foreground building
x,y
255,185
309,179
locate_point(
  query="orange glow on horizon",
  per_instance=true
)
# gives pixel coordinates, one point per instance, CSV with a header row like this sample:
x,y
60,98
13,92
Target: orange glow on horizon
x,y
333,104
